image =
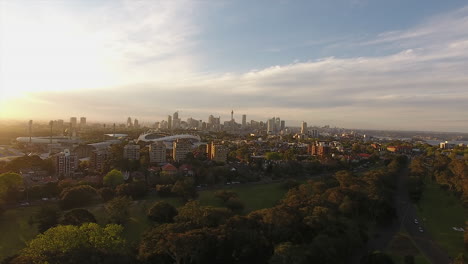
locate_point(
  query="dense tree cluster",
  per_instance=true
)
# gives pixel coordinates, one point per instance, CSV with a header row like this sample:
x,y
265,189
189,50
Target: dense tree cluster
x,y
452,174
317,222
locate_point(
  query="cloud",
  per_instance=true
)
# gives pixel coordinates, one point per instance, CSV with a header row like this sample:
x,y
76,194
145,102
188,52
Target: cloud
x,y
423,82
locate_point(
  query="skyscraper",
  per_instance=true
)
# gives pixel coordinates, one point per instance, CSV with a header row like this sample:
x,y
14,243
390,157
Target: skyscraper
x,y
283,124
271,126
244,121
169,122
82,121
129,122
304,127
277,124
175,115
73,122
135,123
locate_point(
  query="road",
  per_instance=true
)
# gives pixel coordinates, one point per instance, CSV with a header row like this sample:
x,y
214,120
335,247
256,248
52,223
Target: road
x,y
407,213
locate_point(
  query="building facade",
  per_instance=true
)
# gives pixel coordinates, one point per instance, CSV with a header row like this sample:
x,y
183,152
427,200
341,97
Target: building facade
x,y
157,152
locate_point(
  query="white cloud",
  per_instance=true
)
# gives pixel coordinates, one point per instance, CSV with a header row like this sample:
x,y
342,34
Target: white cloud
x,y
424,82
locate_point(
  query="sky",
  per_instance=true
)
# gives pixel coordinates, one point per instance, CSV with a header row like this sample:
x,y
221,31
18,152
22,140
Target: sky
x,y
373,64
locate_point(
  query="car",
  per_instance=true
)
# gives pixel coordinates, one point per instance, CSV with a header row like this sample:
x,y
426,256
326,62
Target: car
x,y
416,221
421,229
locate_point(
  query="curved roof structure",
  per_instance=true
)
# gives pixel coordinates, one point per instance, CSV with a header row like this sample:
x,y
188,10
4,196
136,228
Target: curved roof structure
x,y
150,137
47,140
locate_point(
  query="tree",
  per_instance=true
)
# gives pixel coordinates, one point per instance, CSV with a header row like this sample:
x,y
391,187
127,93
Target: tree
x,y
185,189
162,212
273,156
113,178
106,193
235,204
136,190
225,195
88,243
10,184
77,196
287,253
117,209
78,217
47,217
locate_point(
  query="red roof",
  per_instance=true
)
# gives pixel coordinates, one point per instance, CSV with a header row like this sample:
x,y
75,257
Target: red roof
x,y
169,167
185,167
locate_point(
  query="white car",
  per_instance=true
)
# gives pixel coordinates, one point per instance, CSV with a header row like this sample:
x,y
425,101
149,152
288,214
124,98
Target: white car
x,y
416,221
421,229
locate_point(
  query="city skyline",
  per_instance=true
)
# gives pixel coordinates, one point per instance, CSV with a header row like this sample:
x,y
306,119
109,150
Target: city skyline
x,y
202,58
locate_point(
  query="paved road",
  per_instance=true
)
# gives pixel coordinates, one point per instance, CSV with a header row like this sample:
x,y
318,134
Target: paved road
x,y
406,215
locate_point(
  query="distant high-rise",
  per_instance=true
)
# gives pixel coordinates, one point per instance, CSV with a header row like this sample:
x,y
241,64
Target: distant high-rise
x,y
169,122
277,124
129,122
60,123
175,115
135,123
232,115
271,126
82,121
283,124
73,122
304,127
244,121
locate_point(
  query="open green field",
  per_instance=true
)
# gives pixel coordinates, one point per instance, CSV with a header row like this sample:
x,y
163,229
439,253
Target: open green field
x,y
255,196
15,230
401,246
439,211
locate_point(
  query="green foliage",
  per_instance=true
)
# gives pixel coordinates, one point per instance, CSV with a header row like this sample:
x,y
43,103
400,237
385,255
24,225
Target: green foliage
x,y
47,217
162,212
136,190
106,193
118,209
185,189
202,216
10,184
273,156
88,243
113,178
78,217
77,196
235,204
225,195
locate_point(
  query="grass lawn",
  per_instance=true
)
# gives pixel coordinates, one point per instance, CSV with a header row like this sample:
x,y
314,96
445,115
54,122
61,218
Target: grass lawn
x,y
254,196
15,230
401,246
439,211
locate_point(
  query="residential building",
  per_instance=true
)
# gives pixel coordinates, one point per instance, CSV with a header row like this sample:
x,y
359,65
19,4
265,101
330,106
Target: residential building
x,y
180,149
73,122
99,159
82,121
157,152
66,164
219,152
131,152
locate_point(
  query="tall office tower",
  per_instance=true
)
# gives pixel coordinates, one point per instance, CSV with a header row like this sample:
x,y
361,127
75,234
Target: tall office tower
x,y
304,127
271,126
131,152
129,122
180,148
175,123
283,125
244,121
156,125
73,122
135,123
175,116
169,122
157,152
314,133
277,124
232,115
211,120
66,163
82,121
60,123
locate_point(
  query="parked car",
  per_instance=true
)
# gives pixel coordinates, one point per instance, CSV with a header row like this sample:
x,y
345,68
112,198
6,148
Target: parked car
x,y
416,221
